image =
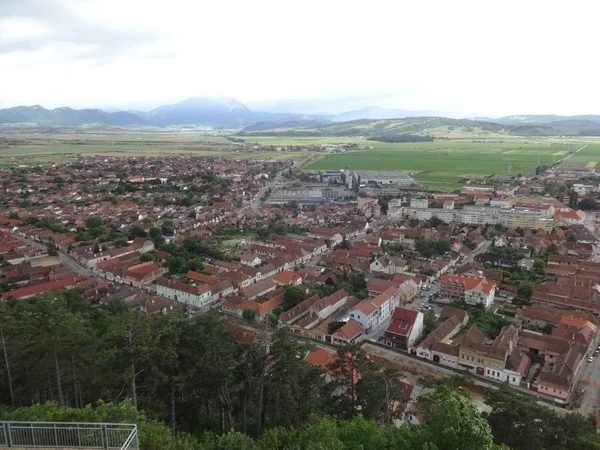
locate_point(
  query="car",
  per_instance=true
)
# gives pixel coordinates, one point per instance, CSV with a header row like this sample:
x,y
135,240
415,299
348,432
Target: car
x,y
590,359
380,338
596,353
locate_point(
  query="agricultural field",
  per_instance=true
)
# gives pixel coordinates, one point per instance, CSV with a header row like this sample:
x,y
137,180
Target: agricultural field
x,y
60,148
588,157
445,162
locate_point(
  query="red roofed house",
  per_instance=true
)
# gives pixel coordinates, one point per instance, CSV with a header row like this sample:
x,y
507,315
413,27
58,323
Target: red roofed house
x,y
569,217
288,278
349,333
32,291
404,329
202,278
371,312
474,291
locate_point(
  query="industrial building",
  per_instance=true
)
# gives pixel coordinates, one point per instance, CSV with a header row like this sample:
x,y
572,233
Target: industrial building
x,y
366,177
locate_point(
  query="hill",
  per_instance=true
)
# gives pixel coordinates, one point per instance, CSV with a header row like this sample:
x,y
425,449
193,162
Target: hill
x,y
546,119
434,127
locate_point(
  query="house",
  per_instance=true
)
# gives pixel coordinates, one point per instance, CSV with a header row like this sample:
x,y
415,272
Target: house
x,y
186,293
51,286
259,288
442,334
201,278
569,217
474,291
287,278
250,259
404,329
349,333
371,312
389,265
236,305
143,274
221,289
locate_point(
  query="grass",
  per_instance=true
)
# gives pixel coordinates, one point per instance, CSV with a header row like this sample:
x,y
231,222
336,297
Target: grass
x,y
446,162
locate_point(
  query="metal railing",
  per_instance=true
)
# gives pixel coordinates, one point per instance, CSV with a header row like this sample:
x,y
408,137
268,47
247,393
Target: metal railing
x,y
68,435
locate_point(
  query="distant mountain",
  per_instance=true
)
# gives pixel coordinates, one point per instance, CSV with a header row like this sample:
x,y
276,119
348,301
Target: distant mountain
x,y
377,112
218,111
37,115
546,119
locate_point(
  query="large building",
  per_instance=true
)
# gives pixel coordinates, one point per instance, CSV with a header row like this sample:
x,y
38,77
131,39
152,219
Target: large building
x,y
366,177
474,291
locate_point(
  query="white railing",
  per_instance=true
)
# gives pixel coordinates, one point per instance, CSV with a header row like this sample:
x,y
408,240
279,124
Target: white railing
x,y
68,435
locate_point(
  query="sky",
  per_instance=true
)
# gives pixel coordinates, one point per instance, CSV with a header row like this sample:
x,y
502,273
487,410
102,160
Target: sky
x,y
461,57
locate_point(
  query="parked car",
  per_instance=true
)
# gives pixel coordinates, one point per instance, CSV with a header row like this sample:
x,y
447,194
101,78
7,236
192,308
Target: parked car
x,y
590,359
596,353
380,338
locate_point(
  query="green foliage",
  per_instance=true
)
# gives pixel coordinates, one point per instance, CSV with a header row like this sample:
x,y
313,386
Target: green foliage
x,y
428,248
522,424
587,204
249,314
429,322
293,296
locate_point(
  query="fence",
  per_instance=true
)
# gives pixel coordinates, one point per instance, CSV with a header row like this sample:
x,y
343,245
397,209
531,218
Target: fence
x,y
66,435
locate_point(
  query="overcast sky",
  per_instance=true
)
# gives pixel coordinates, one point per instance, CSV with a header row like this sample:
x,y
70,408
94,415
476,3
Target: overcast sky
x,y
475,57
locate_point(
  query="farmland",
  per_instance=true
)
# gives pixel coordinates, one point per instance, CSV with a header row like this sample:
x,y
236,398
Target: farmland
x,y
588,157
445,162
60,148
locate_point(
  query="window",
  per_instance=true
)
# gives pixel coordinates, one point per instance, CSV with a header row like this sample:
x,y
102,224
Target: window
x,y
514,380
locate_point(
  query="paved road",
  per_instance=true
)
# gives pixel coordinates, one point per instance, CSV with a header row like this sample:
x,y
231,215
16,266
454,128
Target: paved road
x,y
588,379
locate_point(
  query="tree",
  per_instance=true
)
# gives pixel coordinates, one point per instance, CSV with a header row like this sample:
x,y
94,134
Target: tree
x,y
136,231
587,204
293,295
453,422
14,215
249,314
52,247
146,257
572,199
522,424
94,222
429,322
525,291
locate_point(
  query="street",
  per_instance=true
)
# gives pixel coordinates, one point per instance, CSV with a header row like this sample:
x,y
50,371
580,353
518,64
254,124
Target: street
x,y
588,381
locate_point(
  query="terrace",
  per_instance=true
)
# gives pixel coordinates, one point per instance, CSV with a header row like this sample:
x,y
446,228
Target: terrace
x,y
68,436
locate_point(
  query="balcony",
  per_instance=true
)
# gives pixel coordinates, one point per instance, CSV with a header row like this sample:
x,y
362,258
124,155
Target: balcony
x,y
68,436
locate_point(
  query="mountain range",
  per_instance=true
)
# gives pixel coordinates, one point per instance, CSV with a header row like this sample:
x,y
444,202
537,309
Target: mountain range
x,y
303,119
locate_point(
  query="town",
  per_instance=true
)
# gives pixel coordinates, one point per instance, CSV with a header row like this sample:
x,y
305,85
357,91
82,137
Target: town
x,y
497,285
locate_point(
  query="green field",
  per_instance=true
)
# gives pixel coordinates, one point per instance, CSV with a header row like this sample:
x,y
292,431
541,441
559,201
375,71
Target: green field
x,y
589,157
446,162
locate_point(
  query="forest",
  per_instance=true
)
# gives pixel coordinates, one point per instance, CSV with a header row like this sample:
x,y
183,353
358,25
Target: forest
x,y
191,386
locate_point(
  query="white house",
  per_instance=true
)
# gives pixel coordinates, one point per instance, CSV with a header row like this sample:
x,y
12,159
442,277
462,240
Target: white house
x,y
186,293
371,312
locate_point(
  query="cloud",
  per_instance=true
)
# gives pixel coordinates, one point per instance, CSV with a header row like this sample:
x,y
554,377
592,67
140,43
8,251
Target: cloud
x,y
466,55
35,25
